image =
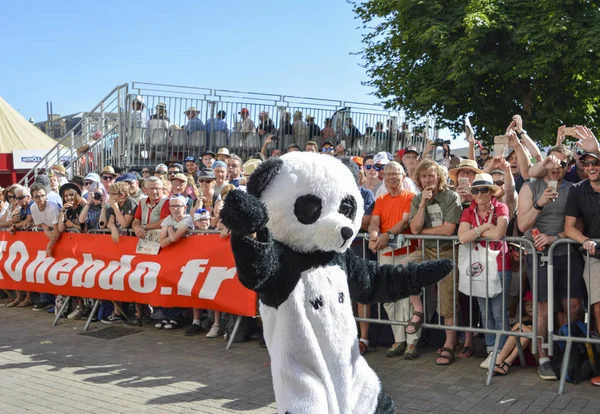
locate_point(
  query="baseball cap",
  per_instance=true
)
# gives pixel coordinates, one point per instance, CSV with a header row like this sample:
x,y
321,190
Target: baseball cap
x,y
178,197
93,177
179,176
411,149
201,214
161,168
217,164
528,296
589,154
191,158
381,158
358,160
129,177
244,110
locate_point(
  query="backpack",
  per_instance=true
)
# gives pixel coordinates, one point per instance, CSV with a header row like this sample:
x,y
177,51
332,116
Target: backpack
x,y
584,360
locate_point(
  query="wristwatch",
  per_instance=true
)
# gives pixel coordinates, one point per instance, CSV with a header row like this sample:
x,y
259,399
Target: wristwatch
x,y
392,235
523,132
537,206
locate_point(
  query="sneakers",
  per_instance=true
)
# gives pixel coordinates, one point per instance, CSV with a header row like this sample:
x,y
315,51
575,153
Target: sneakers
x,y
412,352
546,372
486,364
42,306
112,318
79,313
194,329
396,350
214,331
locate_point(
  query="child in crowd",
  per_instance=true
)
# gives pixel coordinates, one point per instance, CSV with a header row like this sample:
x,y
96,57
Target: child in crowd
x,y
202,219
177,224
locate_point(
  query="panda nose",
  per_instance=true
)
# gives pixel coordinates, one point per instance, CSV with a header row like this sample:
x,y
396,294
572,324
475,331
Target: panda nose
x,y
347,233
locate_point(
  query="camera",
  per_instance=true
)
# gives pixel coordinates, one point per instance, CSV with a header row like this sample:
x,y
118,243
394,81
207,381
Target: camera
x,y
441,142
98,196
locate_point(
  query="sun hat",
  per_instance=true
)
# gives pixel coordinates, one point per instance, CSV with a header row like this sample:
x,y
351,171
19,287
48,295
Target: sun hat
x,y
93,177
68,186
250,166
108,170
207,173
161,105
485,180
470,165
191,109
59,169
208,152
223,151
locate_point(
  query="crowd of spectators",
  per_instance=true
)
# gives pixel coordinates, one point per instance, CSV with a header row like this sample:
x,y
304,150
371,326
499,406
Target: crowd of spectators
x,y
517,193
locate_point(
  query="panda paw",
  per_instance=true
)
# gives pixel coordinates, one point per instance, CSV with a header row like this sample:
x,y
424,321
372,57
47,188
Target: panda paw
x,y
432,271
243,214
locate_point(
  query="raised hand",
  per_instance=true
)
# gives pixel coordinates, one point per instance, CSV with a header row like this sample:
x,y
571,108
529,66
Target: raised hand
x,y
587,140
560,135
243,214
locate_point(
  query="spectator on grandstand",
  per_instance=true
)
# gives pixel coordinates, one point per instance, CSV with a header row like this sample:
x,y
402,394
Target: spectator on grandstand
x,y
351,130
138,112
486,217
582,205
436,211
208,159
89,218
542,207
327,133
120,210
46,181
509,352
159,120
234,170
71,209
194,123
268,141
245,125
311,146
313,129
108,176
390,220
178,187
222,155
285,127
10,208
177,224
327,148
217,124
265,125
220,171
380,135
299,128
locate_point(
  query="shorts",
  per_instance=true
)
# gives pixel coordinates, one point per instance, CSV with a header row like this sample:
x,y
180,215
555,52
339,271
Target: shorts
x,y
561,268
591,277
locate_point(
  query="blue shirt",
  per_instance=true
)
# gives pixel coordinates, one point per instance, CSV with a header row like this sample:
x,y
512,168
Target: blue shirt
x,y
220,125
572,175
368,200
194,124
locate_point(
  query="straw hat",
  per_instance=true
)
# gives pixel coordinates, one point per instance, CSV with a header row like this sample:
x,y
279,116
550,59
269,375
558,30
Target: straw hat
x,y
485,180
59,169
139,100
298,114
223,151
108,170
192,109
250,166
161,105
470,165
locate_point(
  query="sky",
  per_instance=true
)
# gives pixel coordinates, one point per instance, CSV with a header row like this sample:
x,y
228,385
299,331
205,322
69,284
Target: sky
x,y
74,53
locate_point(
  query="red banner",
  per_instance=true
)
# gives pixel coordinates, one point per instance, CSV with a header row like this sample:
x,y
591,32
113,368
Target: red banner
x,y
197,271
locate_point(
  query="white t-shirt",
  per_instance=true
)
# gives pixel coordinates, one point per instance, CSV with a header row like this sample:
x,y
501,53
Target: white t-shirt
x,y
185,221
49,216
407,185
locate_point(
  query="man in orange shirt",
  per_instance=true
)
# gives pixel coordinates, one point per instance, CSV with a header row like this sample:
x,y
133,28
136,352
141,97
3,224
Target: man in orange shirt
x,y
388,221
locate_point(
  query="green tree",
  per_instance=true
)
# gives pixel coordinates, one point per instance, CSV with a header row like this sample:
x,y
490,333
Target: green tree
x,y
488,59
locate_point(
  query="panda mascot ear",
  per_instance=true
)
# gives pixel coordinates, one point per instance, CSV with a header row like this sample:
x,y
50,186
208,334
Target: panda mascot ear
x,y
263,174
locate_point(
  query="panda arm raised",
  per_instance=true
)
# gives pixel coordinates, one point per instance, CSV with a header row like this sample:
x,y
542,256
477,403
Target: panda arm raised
x,y
369,282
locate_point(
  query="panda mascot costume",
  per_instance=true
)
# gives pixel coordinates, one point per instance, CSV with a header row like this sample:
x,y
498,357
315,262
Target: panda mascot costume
x,y
290,235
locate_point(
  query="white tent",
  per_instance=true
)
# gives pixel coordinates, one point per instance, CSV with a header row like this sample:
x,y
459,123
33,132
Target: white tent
x,y
16,133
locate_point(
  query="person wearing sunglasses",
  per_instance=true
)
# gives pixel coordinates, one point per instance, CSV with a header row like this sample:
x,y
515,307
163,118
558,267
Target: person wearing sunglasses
x,y
372,180
107,176
486,217
206,185
582,204
327,148
12,206
542,205
145,173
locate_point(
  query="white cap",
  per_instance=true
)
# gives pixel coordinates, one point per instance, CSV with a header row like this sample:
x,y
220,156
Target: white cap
x,y
381,158
93,177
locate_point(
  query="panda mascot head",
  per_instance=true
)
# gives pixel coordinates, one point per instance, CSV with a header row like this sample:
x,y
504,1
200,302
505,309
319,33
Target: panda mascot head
x,y
312,201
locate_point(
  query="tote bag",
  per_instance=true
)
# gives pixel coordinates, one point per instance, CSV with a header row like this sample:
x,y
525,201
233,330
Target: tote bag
x,y
478,269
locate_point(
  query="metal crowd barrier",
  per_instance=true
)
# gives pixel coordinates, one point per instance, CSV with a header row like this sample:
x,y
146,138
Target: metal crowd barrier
x,y
532,336
555,336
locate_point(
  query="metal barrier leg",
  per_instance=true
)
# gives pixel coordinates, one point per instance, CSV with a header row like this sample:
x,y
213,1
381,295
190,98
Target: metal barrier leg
x,y
563,367
117,307
62,309
92,314
521,353
235,328
493,360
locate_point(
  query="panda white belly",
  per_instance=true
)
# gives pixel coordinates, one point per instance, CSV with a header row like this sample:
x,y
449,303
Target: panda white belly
x,y
315,360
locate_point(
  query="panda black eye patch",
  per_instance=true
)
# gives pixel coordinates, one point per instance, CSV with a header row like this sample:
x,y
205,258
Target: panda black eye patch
x,y
307,208
348,207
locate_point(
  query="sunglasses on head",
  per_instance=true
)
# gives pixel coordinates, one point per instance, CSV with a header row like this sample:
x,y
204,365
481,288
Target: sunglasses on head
x,y
108,177
591,163
480,190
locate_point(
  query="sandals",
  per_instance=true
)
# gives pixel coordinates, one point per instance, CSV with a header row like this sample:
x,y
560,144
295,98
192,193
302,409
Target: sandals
x,y
25,303
502,369
446,353
466,352
13,303
415,325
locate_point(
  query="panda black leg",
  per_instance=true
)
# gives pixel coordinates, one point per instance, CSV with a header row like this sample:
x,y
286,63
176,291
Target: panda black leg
x,y
385,404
